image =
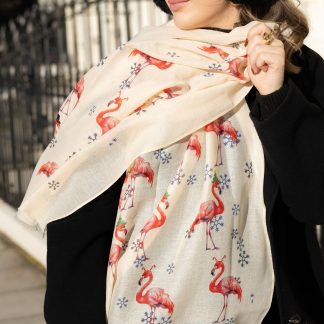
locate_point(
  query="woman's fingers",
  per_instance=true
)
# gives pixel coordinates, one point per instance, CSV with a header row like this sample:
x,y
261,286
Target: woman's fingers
x,y
265,53
258,29
260,57
256,45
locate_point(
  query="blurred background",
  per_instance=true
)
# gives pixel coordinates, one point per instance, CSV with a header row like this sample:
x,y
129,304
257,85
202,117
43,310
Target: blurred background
x,y
45,46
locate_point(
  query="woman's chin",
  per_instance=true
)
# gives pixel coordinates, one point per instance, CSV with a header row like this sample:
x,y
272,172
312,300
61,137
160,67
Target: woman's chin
x,y
184,22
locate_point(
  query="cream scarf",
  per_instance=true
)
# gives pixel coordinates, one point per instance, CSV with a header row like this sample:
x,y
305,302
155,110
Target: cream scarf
x,y
162,85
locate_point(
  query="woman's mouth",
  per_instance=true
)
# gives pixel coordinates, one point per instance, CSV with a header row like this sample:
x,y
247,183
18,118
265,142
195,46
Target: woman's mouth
x,y
174,5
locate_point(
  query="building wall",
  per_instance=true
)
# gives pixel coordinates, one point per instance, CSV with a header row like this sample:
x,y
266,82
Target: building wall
x,y
314,10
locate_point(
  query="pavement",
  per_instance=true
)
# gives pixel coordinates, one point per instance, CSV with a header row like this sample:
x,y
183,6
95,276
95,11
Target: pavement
x,y
22,286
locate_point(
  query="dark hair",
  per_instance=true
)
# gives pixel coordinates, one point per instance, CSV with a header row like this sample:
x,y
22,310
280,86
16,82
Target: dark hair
x,y
283,12
163,6
292,22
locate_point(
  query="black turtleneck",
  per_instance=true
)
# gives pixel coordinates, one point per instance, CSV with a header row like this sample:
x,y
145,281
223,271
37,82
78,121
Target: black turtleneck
x,y
218,29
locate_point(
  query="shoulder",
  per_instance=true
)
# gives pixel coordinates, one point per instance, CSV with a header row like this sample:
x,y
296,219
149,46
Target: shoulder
x,y
308,58
311,77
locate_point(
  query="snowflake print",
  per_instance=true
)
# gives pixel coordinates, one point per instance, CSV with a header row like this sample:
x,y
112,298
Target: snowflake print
x,y
248,170
251,298
102,61
240,244
125,245
187,234
165,320
141,111
166,158
177,178
139,261
238,279
70,156
228,140
235,209
214,66
191,179
236,45
113,141
121,46
125,84
209,74
53,184
92,110
136,245
122,302
158,153
128,192
162,155
208,171
148,318
170,268
216,223
53,142
224,181
136,68
234,233
92,138
243,258
173,54
229,321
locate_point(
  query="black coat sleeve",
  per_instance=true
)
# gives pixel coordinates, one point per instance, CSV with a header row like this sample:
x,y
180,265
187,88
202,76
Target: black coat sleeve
x,y
290,125
78,248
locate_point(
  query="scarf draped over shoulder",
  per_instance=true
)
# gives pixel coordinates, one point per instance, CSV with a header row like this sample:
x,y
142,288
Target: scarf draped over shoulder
x,y
155,89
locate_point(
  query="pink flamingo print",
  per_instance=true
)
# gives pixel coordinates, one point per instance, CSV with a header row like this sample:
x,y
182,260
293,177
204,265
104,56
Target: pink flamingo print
x,y
77,90
213,49
150,60
162,65
226,286
108,122
170,93
154,297
48,168
194,145
237,66
221,127
138,168
207,211
139,108
122,193
115,250
153,222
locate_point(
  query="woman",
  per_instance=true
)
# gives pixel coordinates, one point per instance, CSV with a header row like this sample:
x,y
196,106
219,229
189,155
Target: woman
x,y
214,252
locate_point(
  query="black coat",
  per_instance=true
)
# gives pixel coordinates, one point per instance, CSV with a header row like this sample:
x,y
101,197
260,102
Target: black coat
x,y
290,125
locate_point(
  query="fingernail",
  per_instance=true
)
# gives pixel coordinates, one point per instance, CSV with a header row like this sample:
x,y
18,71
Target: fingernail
x,y
246,42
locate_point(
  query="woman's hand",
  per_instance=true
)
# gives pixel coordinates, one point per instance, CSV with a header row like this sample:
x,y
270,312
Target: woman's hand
x,y
266,63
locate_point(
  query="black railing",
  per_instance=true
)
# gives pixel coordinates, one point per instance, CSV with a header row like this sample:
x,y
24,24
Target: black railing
x,y
42,55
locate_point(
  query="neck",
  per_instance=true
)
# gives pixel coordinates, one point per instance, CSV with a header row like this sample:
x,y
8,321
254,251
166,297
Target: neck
x,y
226,19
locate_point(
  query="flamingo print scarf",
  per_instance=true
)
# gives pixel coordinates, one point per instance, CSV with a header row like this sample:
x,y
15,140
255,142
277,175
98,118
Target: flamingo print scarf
x,y
155,89
168,106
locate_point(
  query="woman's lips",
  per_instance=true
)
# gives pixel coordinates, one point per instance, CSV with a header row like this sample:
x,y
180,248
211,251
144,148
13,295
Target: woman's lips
x,y
174,5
